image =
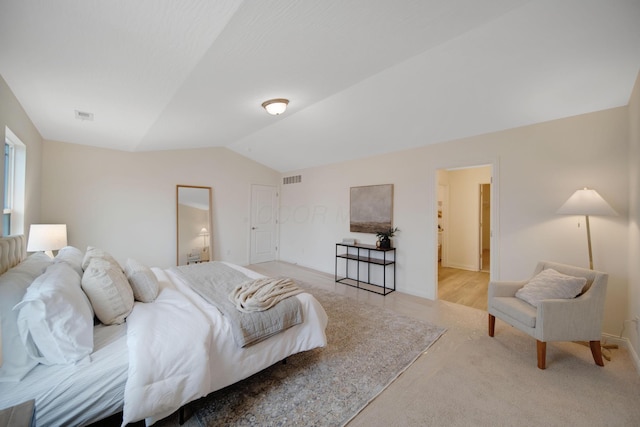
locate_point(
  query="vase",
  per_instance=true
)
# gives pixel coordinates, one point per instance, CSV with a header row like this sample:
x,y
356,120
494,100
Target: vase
x,y
385,243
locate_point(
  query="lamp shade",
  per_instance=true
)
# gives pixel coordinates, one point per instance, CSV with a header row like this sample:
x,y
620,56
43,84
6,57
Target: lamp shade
x,y
275,106
204,233
586,202
47,238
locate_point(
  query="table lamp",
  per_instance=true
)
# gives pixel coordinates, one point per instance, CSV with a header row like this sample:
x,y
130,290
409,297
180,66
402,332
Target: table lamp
x,y
47,238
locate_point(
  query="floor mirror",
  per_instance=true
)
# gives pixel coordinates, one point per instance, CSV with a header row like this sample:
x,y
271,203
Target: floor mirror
x,y
194,224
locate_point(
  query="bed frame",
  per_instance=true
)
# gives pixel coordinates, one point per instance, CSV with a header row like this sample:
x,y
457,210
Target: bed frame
x,y
13,249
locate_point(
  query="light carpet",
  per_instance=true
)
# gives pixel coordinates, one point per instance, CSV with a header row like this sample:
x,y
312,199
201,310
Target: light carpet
x,y
482,381
498,387
368,347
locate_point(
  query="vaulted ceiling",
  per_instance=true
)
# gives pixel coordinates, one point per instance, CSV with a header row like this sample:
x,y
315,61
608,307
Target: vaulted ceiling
x,y
363,76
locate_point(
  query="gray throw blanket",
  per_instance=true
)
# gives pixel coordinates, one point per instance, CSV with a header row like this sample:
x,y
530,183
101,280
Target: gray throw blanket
x,y
214,281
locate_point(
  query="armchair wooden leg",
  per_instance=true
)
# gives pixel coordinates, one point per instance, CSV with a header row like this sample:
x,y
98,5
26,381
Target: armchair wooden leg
x,y
542,354
492,324
596,351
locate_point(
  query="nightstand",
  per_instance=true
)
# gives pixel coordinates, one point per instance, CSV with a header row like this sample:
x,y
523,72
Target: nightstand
x,y
22,415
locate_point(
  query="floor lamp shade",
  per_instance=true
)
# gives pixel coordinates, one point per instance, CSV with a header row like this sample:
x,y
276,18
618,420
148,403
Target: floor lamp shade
x,y
47,238
587,202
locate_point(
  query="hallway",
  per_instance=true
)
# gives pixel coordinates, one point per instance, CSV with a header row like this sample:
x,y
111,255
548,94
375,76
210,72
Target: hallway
x,y
463,287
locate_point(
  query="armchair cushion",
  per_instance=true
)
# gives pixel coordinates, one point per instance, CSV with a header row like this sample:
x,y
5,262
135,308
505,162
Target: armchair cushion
x,y
516,309
550,284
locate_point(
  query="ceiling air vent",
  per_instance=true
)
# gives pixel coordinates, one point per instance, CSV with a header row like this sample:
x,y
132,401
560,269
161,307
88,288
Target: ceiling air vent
x,y
295,179
83,115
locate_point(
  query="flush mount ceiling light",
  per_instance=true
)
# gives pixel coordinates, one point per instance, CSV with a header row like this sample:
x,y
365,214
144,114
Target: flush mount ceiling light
x,y
275,106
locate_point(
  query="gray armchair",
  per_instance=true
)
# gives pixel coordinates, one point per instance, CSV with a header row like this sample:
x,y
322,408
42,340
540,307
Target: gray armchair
x,y
575,319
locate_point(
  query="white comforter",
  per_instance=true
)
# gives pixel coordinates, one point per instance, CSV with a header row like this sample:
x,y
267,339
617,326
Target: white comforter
x,y
168,362
203,357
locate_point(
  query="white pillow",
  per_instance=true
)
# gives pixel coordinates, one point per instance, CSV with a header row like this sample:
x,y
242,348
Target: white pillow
x,y
56,319
550,284
16,363
96,253
142,280
72,256
108,290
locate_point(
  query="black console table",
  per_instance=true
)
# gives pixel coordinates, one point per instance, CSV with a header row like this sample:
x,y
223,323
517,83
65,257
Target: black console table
x,y
385,258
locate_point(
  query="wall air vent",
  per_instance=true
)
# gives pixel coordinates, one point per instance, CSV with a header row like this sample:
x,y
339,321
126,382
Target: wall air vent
x,y
295,179
83,115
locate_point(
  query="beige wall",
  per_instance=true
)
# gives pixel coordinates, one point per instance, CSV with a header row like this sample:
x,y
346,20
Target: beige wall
x,y
125,202
535,168
633,330
13,116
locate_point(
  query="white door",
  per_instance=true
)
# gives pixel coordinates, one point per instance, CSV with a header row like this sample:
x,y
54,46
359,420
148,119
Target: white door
x,y
264,222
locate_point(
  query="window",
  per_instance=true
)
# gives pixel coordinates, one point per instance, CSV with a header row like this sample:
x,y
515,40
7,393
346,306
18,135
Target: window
x,y
14,184
8,187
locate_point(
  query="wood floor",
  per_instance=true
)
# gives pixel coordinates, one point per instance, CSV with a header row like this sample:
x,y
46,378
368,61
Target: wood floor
x,y
464,287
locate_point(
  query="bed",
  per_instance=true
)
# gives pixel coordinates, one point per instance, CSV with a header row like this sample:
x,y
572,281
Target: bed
x,y
168,352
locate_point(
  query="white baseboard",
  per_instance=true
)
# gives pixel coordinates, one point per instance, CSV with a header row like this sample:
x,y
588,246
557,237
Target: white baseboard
x,y
623,342
461,266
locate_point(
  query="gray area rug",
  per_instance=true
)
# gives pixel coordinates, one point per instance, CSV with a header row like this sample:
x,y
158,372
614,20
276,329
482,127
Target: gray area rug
x,y
368,347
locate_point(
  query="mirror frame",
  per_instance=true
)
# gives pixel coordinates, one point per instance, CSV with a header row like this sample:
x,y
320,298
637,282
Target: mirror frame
x,y
210,219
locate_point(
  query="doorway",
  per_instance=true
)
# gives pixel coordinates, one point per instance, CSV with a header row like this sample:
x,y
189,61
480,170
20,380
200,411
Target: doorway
x,y
464,234
485,228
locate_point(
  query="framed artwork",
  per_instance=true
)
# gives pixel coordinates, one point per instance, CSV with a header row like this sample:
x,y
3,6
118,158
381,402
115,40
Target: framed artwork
x,y
371,208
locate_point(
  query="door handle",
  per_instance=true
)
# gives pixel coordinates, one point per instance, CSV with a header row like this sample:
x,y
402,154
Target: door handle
x,y
253,228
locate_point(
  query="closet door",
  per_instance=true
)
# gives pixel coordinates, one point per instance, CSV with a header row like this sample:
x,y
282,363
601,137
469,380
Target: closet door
x,y
264,210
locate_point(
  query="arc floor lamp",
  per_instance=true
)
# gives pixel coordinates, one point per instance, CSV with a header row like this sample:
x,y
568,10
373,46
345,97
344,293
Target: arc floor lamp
x,y
588,202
